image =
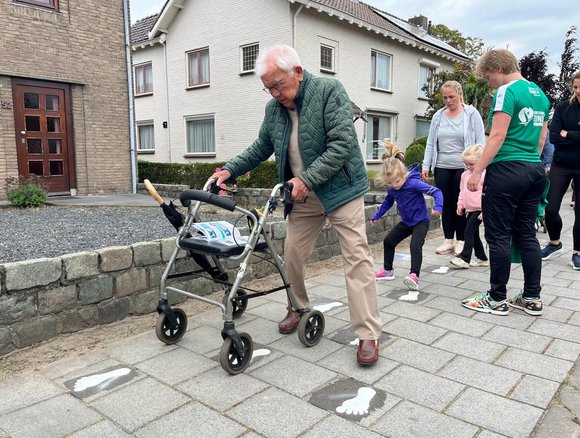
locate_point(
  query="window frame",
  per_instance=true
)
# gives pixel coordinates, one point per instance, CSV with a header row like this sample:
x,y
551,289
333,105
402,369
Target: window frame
x,y
420,119
242,57
140,124
421,94
374,71
332,49
139,67
374,143
188,72
199,117
53,6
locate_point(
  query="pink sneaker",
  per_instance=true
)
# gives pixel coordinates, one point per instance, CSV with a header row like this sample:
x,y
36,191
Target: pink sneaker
x,y
383,274
411,281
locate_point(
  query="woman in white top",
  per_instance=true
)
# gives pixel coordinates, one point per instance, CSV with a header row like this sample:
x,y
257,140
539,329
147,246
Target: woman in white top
x,y
453,128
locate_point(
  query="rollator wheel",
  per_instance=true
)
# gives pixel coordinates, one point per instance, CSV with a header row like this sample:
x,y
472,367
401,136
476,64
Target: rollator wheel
x,y
311,328
233,362
169,335
240,304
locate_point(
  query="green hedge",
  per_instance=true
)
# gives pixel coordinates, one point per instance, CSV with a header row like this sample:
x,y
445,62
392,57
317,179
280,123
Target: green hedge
x,y
415,151
195,175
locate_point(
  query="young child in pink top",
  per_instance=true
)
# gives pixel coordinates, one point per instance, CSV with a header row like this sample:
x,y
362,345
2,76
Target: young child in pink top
x,y
469,203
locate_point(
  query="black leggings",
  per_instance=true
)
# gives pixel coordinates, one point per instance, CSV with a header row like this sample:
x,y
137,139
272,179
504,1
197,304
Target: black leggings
x,y
472,240
400,232
447,180
560,178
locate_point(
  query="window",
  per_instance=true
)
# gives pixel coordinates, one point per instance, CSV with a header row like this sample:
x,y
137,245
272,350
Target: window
x,y
380,70
249,53
326,58
145,137
422,127
49,4
379,127
198,67
143,79
426,73
200,135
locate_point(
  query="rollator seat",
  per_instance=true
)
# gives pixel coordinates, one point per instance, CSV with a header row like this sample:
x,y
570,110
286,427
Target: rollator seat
x,y
218,248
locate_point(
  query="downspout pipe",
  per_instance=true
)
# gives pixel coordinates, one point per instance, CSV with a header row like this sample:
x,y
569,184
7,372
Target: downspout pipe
x,y
130,95
294,26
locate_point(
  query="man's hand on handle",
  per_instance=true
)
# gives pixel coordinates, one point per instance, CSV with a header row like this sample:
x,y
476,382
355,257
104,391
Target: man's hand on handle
x,y
299,191
221,176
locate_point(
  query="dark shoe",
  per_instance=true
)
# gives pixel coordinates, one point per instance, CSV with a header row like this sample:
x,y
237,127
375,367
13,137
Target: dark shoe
x,y
289,324
550,249
368,352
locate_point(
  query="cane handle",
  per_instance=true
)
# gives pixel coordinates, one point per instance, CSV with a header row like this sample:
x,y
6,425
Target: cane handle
x,y
152,191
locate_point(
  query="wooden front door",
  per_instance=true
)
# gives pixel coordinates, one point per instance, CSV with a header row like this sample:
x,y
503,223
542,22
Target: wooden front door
x,y
41,116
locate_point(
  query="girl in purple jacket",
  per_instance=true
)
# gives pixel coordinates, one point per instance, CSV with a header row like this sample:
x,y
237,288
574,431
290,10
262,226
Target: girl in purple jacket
x,y
407,189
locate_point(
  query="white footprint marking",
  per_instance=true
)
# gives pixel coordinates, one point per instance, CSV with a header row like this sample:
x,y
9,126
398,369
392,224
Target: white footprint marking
x,y
327,306
411,296
260,352
355,342
96,379
441,270
358,405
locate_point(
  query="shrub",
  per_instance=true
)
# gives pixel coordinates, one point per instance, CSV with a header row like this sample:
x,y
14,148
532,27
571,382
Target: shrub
x,y
415,151
26,192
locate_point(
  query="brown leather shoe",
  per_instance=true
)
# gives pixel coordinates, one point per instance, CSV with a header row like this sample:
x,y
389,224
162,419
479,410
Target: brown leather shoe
x,y
289,324
368,352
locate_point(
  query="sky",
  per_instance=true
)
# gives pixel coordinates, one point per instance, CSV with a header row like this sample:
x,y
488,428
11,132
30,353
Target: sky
x,y
522,26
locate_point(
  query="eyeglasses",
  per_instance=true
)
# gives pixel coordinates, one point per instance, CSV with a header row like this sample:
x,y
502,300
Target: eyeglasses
x,y
277,86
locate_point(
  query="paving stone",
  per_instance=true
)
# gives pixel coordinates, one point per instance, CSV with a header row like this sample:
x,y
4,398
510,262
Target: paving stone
x,y
564,350
262,413
102,429
554,329
176,366
202,339
535,391
446,279
24,390
488,434
417,355
481,375
137,404
189,418
575,319
518,339
344,362
556,314
468,346
412,311
290,344
272,311
329,291
559,422
567,303
449,305
335,426
220,390
516,319
414,330
422,388
453,292
67,415
68,365
139,348
410,420
565,292
456,323
495,413
276,373
261,330
535,364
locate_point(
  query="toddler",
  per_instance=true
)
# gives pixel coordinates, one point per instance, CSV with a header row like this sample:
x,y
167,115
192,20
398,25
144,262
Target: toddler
x,y
405,187
469,203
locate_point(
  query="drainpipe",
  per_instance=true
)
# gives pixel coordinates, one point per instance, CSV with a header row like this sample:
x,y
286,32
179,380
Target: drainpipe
x,y
294,26
130,95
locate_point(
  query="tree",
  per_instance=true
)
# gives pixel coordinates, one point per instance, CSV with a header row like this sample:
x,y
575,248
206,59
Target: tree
x,y
534,67
568,65
471,46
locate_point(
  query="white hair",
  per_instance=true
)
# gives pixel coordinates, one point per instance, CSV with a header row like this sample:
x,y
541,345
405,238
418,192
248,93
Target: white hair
x,y
283,56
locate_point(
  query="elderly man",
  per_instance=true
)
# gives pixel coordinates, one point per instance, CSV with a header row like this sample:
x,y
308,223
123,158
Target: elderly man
x,y
308,127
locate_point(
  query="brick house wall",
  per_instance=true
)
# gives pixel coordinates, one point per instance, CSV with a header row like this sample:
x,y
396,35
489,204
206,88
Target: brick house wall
x,y
82,45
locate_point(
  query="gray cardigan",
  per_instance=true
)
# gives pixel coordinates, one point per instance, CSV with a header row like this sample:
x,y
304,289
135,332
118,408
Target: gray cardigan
x,y
473,133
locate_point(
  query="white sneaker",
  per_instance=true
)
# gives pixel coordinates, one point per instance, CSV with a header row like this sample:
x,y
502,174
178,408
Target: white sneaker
x,y
459,263
477,263
459,247
446,248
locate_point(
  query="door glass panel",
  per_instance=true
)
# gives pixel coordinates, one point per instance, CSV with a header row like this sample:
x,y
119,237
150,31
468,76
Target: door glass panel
x,y
31,100
54,146
53,124
33,123
34,145
56,168
52,103
35,168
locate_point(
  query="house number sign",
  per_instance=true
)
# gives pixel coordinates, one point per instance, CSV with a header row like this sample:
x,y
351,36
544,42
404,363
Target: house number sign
x,y
6,104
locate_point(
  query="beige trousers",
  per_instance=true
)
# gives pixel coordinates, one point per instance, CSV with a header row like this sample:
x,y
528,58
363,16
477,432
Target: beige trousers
x,y
304,225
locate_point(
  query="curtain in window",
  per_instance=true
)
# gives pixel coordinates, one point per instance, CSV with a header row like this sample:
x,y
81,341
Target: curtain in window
x,y
199,68
200,136
378,128
425,74
148,73
383,72
146,137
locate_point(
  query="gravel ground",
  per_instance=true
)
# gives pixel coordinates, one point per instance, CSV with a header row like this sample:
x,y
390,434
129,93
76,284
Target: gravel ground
x,y
54,231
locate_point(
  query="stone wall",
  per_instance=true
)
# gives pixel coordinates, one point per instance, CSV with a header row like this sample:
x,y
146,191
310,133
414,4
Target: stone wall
x,y
42,298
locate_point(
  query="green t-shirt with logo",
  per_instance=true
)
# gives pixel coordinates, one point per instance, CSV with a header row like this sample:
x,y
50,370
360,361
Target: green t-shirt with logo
x,y
529,108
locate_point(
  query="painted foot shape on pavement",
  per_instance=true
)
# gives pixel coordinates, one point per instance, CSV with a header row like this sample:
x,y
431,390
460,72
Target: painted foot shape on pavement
x,y
358,405
95,380
412,295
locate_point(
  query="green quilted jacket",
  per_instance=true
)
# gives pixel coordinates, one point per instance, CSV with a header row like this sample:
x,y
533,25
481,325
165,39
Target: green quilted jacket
x,y
333,164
